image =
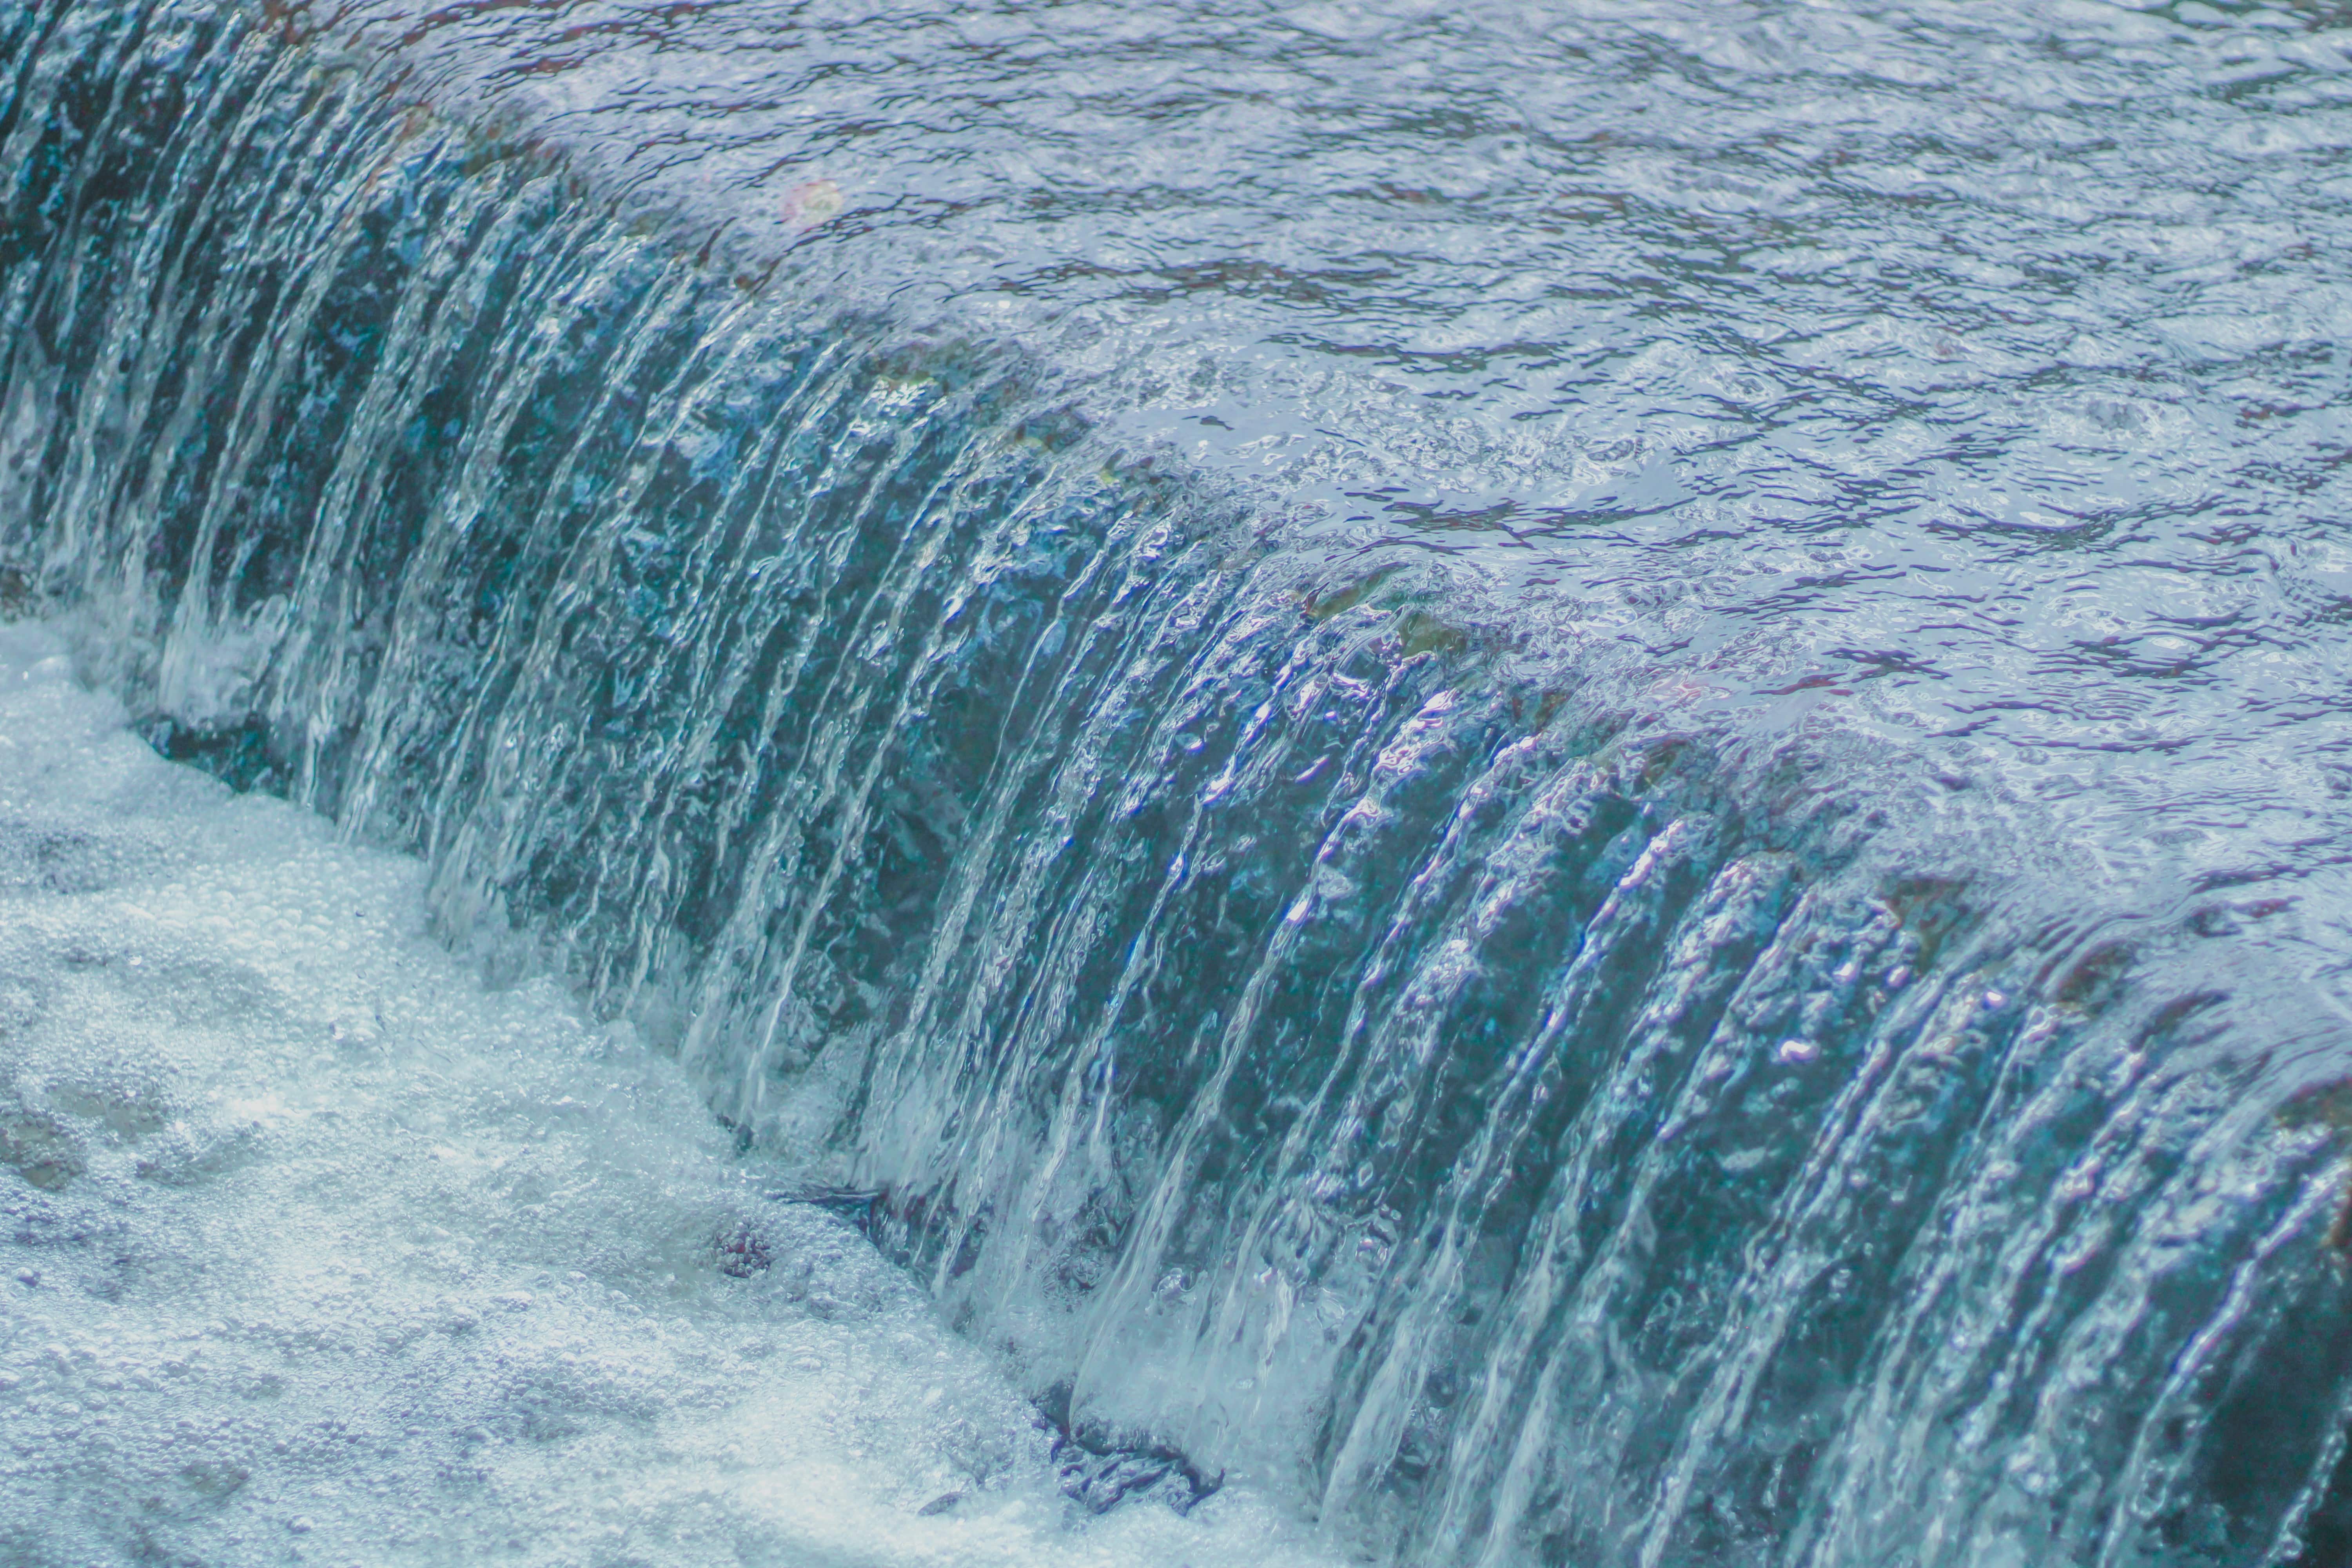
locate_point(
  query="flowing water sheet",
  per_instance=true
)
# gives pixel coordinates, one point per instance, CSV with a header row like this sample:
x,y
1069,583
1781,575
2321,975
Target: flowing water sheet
x,y
1569,780
318,1251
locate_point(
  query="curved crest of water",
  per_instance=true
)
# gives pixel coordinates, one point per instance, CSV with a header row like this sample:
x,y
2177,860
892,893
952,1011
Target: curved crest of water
x,y
1303,1010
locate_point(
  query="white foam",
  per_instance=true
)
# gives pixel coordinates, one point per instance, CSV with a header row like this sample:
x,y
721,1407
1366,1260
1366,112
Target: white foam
x,y
317,1250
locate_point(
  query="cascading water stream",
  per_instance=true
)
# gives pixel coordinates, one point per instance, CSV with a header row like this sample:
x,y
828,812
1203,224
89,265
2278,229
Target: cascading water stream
x,y
1303,1013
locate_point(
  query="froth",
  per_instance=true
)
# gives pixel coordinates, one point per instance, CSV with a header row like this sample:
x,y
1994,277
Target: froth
x,y
318,1250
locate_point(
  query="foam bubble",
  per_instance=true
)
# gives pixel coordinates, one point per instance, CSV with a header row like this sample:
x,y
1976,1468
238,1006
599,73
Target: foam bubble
x,y
315,1249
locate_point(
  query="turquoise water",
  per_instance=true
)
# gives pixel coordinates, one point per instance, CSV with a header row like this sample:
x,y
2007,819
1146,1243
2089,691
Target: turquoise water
x,y
1569,781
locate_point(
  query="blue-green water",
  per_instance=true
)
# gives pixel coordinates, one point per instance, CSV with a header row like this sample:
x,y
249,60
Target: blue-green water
x,y
1572,777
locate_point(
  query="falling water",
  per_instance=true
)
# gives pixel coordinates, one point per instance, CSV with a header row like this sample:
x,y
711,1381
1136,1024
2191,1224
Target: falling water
x,y
1528,993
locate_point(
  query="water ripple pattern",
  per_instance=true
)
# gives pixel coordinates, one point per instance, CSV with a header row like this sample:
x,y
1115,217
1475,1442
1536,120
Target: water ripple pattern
x,y
1570,777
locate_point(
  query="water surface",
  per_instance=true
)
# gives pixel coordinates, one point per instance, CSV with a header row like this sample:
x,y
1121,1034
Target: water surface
x,y
1568,779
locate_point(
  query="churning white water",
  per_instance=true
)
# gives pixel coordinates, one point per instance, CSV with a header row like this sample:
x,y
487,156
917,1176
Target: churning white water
x,y
316,1250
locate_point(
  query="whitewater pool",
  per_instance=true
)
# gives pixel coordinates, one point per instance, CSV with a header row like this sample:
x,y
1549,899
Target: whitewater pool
x,y
1570,780
319,1251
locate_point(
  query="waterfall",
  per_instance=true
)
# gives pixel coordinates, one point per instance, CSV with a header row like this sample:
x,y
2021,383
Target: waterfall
x,y
1292,1014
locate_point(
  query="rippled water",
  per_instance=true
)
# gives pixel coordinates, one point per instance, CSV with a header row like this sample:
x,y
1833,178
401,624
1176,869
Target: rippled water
x,y
1968,377
1911,344
1570,778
